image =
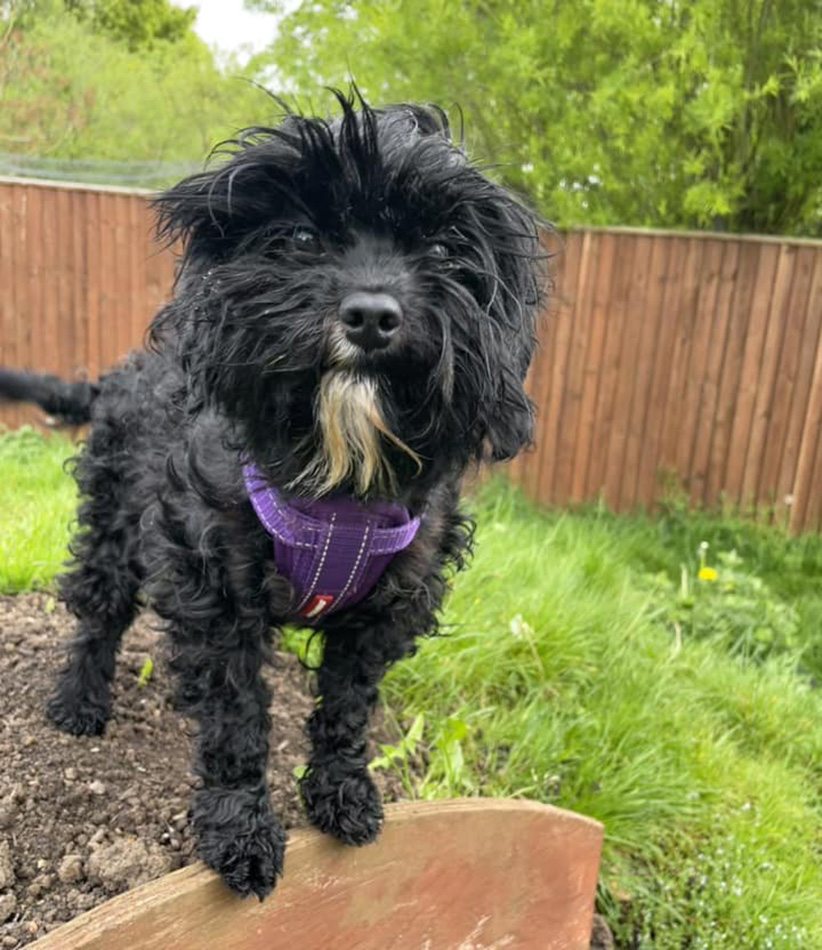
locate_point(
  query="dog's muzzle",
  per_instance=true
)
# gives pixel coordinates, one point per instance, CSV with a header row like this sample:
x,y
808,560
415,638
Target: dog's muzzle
x,y
371,320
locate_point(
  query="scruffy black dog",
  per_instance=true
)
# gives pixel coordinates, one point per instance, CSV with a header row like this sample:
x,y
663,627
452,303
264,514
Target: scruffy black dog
x,y
352,323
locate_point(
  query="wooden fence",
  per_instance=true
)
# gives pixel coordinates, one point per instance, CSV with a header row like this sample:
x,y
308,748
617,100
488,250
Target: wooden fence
x,y
693,355
80,278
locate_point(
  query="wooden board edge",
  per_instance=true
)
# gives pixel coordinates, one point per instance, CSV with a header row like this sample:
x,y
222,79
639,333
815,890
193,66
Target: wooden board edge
x,y
121,910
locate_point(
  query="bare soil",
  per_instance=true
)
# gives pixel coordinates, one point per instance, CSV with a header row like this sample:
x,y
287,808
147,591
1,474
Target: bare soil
x,y
83,819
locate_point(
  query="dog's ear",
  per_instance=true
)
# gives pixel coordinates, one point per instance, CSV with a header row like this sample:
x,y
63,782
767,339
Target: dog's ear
x,y
522,282
510,426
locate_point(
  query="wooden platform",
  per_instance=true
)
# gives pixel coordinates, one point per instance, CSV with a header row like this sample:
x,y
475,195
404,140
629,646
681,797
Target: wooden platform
x,y
470,874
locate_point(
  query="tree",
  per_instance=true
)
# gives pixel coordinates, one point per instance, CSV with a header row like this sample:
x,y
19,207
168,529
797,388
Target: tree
x,y
71,90
137,23
675,113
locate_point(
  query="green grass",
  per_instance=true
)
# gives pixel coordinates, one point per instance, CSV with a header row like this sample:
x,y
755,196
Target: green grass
x,y
568,684
584,664
37,501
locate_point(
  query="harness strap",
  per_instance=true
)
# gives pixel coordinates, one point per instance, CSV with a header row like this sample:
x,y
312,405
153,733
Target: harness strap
x,y
333,550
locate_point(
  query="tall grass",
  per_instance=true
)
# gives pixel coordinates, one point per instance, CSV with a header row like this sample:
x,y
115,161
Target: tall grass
x,y
560,679
575,668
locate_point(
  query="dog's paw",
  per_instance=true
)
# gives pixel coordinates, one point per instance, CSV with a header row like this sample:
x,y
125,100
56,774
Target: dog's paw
x,y
343,804
78,717
240,838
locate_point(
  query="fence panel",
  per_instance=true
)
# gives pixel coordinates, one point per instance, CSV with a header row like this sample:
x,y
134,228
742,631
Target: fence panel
x,y
693,355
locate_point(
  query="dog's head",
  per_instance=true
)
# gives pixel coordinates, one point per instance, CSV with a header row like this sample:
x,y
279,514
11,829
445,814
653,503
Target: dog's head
x,y
358,298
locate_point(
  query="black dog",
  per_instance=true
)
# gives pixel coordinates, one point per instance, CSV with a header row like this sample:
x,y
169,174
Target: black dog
x,y
353,319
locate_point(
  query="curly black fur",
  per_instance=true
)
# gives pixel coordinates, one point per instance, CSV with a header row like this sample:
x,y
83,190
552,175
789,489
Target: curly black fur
x,y
297,217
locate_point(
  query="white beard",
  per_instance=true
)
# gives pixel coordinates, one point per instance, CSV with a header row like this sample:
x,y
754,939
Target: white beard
x,y
351,428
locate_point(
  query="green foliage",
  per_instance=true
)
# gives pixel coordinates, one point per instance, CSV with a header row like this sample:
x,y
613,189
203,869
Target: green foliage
x,y
691,113
731,605
85,87
137,23
400,756
146,672
778,576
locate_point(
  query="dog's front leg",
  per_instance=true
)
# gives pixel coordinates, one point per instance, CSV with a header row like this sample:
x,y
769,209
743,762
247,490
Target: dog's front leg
x,y
221,687
339,794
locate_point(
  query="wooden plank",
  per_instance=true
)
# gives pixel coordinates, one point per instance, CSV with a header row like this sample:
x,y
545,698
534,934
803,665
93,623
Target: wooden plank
x,y
30,314
738,322
785,385
668,344
93,239
687,307
648,311
8,318
65,278
695,373
539,388
123,292
443,875
526,465
734,471
627,368
160,263
811,420
812,520
47,354
767,377
807,491
592,369
109,314
35,331
137,275
80,368
22,298
528,460
803,391
572,388
564,323
712,380
620,306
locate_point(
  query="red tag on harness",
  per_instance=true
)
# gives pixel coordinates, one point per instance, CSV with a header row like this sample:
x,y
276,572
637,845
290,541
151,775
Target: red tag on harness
x,y
317,605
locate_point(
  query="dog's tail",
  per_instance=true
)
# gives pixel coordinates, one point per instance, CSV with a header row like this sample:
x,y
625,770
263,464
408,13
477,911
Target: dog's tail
x,y
69,403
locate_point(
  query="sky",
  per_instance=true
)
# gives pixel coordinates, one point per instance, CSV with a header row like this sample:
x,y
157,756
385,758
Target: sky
x,y
229,26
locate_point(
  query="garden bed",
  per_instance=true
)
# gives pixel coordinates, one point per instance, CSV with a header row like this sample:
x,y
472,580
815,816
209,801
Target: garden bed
x,y
84,819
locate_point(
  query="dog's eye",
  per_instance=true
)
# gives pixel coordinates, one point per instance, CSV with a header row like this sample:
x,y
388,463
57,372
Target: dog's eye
x,y
439,250
305,238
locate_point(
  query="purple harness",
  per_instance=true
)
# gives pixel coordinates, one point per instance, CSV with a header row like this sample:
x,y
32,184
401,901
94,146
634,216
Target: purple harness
x,y
332,550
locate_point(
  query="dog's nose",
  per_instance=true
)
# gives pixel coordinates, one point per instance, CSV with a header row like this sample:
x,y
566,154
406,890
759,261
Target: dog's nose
x,y
370,319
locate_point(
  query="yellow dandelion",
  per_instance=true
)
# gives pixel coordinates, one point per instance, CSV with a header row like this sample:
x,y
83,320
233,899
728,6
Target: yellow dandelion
x,y
707,574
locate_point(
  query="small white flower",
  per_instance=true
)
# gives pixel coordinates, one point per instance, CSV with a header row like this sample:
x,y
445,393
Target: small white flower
x,y
521,628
